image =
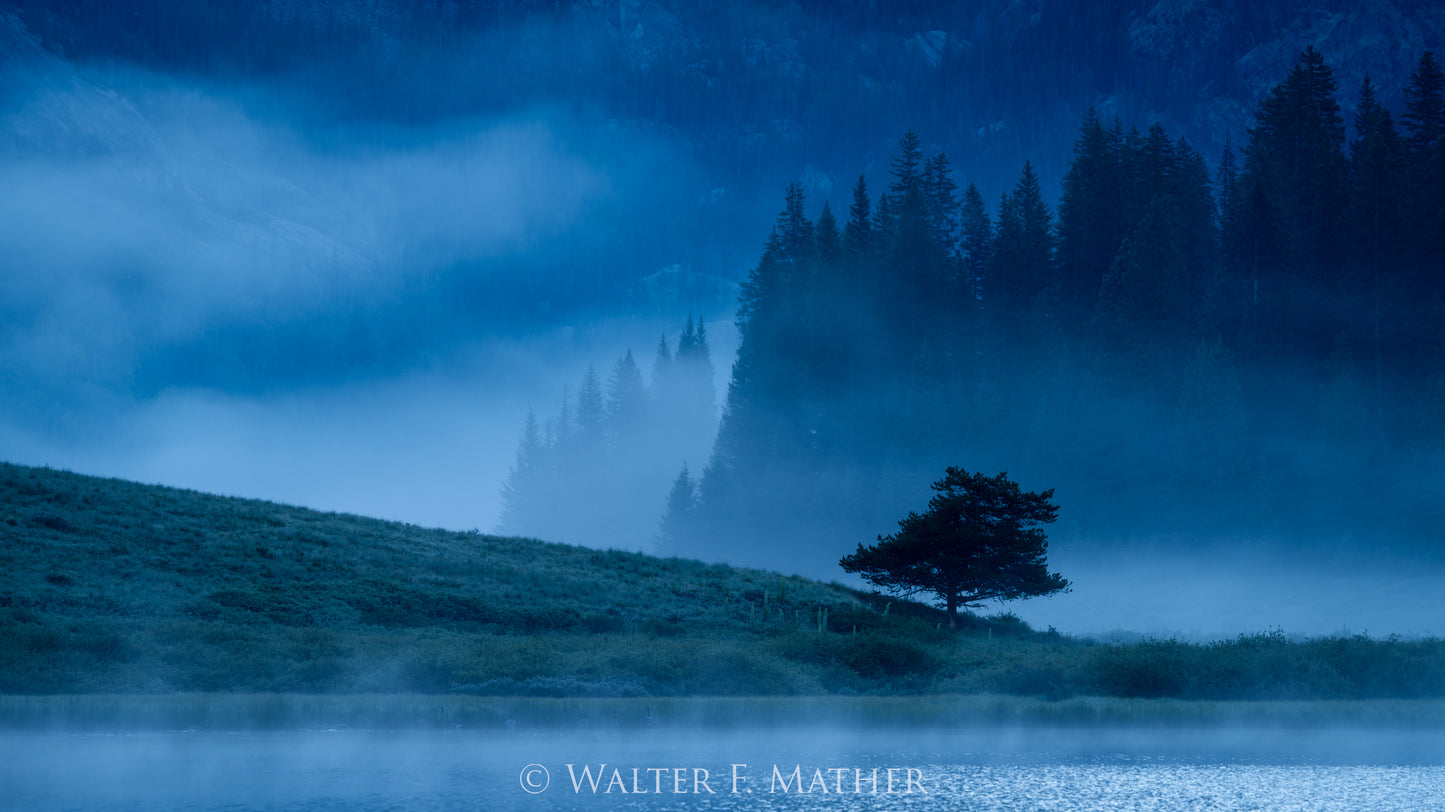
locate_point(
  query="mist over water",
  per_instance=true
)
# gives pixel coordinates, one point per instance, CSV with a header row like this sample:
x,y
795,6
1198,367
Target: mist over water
x,y
989,769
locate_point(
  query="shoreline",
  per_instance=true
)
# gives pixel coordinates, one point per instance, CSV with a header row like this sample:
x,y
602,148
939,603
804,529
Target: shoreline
x,y
235,712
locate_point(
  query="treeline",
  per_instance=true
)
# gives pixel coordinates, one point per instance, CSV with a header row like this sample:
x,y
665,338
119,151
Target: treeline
x,y
1251,348
587,474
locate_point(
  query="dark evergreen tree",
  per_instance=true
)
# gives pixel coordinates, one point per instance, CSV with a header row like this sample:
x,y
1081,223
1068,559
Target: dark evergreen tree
x,y
677,531
1000,291
829,241
857,236
1424,118
793,229
906,168
1222,304
978,541
1144,294
528,490
760,430
1296,158
1226,192
1196,218
1424,128
1377,166
914,256
1090,225
885,225
977,243
1260,255
941,194
1134,176
1023,249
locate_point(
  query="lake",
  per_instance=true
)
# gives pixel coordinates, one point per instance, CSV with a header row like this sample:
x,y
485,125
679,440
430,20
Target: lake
x,y
826,768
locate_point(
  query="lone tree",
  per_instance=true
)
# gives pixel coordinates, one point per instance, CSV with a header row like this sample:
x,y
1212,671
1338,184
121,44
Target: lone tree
x,y
978,541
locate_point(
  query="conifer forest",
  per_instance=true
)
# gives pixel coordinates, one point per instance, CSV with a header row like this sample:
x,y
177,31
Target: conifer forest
x,y
1246,345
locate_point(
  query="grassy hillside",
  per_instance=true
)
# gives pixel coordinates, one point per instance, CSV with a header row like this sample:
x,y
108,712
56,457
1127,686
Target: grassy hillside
x,y
114,587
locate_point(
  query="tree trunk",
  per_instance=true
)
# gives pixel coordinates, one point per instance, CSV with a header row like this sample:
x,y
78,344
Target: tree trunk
x,y
952,610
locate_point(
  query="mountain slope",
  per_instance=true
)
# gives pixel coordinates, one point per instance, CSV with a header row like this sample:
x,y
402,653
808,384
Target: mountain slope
x,y
108,585
114,587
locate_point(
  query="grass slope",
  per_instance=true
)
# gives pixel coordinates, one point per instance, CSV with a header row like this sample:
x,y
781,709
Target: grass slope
x,y
113,587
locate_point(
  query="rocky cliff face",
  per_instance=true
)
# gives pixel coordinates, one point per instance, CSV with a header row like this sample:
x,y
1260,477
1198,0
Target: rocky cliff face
x,y
49,109
1216,58
999,78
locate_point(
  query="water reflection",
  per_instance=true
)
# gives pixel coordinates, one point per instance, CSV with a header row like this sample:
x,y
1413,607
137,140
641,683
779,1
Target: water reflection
x,y
798,770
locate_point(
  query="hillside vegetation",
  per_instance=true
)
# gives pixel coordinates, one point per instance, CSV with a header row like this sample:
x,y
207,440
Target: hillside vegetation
x,y
115,587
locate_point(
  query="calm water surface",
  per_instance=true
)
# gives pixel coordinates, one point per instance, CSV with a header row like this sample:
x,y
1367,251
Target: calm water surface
x,y
802,770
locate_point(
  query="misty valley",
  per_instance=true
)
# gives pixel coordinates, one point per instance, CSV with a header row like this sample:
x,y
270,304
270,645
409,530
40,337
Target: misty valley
x,y
631,404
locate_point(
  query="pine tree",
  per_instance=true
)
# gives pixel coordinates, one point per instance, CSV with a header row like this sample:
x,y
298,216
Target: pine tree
x,y
1296,151
1377,165
759,430
1090,225
1295,158
829,279
794,230
1198,234
591,407
1260,251
662,369
916,258
1424,127
829,242
885,224
677,529
1227,194
627,403
978,541
527,491
941,194
695,373
1424,118
1000,288
1221,305
857,236
977,243
1023,247
589,450
695,357
1155,166
906,168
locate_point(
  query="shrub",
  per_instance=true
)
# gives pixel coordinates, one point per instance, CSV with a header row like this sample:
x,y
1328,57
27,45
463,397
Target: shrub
x,y
875,656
